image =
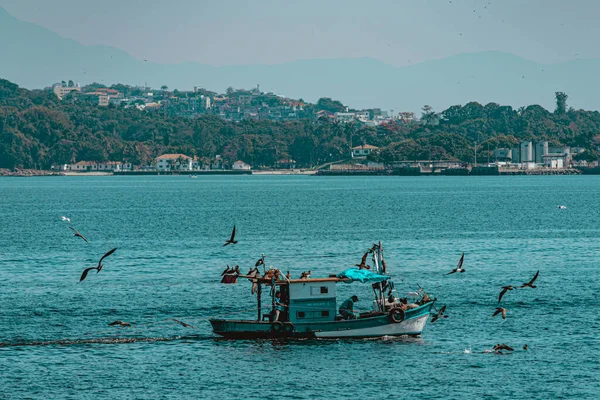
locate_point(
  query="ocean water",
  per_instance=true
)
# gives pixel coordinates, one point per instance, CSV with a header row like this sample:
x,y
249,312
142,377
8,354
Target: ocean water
x,y
55,341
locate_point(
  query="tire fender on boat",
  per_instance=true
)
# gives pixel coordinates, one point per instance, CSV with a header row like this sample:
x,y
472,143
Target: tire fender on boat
x,y
397,315
276,326
288,327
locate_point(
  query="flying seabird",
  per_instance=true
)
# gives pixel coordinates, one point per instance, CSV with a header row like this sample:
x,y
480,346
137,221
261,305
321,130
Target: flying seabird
x,y
500,310
66,219
440,314
459,268
120,323
525,347
183,323
99,267
78,234
503,292
232,238
562,207
530,283
363,262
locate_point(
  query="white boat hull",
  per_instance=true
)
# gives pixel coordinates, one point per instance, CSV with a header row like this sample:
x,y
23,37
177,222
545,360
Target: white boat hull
x,y
410,327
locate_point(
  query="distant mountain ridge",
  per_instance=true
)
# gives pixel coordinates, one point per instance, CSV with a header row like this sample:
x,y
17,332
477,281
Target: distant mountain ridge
x,y
35,57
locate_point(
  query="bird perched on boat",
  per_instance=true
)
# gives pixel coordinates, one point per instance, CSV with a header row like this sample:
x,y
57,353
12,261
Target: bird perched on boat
x,y
503,292
363,262
459,267
500,310
259,262
78,234
288,276
503,346
440,314
98,268
66,219
305,275
231,239
226,271
253,271
182,323
230,275
530,283
120,323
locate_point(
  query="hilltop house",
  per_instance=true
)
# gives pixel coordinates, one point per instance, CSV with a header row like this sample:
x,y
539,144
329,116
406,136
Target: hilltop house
x,y
173,162
363,150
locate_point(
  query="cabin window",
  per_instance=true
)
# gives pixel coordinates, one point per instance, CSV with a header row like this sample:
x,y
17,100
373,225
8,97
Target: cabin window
x,y
324,313
300,314
318,290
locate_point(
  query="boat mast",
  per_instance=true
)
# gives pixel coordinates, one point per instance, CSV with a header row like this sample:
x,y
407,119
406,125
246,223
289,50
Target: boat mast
x,y
259,290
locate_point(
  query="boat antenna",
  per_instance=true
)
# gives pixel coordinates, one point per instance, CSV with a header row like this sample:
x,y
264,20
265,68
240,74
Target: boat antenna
x,y
263,262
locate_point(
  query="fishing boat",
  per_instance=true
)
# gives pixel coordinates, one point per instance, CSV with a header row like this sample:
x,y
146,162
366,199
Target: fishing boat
x,y
309,307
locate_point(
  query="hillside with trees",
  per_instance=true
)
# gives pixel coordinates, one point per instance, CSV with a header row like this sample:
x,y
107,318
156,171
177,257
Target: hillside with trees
x,y
39,131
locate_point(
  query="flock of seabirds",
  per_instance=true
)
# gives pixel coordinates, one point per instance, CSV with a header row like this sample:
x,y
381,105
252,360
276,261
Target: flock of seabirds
x,y
230,275
99,267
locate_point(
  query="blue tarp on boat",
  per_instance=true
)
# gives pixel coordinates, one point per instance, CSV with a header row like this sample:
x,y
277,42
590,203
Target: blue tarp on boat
x,y
362,275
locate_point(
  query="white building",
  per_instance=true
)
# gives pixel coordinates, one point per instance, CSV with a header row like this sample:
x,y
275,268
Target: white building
x,y
83,166
526,152
61,91
240,165
345,117
205,102
173,162
363,150
555,160
362,116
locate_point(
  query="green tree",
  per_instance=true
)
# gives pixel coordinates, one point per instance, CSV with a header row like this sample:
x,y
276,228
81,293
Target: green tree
x,y
561,102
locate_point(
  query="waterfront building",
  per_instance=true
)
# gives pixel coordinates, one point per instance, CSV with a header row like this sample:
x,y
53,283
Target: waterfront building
x,y
173,162
526,152
83,166
541,150
503,154
555,160
240,165
363,150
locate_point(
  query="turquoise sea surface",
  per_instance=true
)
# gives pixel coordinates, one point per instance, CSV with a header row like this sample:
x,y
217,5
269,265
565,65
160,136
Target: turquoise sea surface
x,y
55,341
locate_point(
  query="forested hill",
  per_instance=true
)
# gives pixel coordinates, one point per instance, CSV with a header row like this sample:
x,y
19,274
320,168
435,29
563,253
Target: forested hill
x,y
38,131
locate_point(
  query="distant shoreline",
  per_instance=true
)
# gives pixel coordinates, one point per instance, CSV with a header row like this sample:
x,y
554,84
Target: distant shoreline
x,y
309,172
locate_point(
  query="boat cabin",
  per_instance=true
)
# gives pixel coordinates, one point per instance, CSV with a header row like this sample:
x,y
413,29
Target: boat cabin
x,y
311,301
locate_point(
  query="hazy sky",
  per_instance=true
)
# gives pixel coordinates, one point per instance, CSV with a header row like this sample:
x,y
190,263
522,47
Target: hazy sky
x,y
399,32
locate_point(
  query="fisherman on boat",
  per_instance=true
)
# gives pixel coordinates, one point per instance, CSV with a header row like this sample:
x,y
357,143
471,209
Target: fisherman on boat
x,y
347,308
279,306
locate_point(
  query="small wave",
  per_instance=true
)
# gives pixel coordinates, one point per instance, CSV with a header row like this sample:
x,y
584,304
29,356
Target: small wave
x,y
105,340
